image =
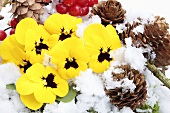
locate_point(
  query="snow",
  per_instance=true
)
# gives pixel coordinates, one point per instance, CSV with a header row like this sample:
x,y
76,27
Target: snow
x,y
130,55
123,110
134,56
7,16
9,73
167,72
124,83
89,83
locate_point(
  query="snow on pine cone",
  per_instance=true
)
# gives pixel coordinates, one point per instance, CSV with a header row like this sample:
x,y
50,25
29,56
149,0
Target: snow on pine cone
x,y
28,8
110,12
155,35
120,97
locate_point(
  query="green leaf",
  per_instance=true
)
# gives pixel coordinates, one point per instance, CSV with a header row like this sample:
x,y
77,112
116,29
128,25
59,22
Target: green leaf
x,y
11,86
69,97
155,108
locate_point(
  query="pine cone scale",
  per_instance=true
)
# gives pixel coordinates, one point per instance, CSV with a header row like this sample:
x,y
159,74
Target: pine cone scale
x,y
28,8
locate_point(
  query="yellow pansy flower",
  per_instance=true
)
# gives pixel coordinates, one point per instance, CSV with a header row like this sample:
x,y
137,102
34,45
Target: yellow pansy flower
x,y
40,85
70,56
61,26
35,39
12,51
99,42
7,48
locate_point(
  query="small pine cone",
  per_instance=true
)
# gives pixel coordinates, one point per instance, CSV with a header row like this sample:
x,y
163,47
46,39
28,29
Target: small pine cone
x,y
121,98
155,35
28,8
137,39
110,12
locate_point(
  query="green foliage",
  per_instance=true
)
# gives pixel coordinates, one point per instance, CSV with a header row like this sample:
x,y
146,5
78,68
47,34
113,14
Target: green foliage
x,y
11,86
69,97
155,108
91,110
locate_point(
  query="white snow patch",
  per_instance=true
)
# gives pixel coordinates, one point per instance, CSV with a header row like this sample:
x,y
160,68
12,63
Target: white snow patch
x,y
124,83
167,72
123,110
138,29
9,73
134,56
89,83
144,111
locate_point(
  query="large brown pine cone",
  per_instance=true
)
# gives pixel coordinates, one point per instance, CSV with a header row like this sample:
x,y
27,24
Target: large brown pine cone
x,y
28,8
134,99
155,35
110,12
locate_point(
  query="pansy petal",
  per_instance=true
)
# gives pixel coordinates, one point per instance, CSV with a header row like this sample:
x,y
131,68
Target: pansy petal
x,y
53,40
30,101
24,86
72,43
97,31
34,58
6,47
98,67
58,54
62,87
80,53
71,22
53,24
42,32
30,39
44,95
35,72
70,73
50,70
114,40
22,27
82,66
62,73
19,57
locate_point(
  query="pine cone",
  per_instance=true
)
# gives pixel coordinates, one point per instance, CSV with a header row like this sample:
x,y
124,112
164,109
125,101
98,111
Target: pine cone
x,y
28,8
110,12
156,35
121,98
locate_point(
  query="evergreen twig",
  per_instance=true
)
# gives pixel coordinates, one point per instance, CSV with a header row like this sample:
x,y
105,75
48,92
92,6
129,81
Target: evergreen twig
x,y
157,73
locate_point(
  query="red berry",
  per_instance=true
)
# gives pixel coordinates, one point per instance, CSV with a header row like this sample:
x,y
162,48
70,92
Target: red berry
x,y
84,11
92,2
75,10
82,2
69,2
14,22
3,35
12,31
61,8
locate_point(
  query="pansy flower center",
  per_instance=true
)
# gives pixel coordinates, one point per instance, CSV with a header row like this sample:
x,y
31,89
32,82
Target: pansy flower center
x,y
65,34
39,46
49,81
104,55
71,62
26,65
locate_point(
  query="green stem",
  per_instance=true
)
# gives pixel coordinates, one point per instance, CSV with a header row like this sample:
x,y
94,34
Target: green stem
x,y
157,73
